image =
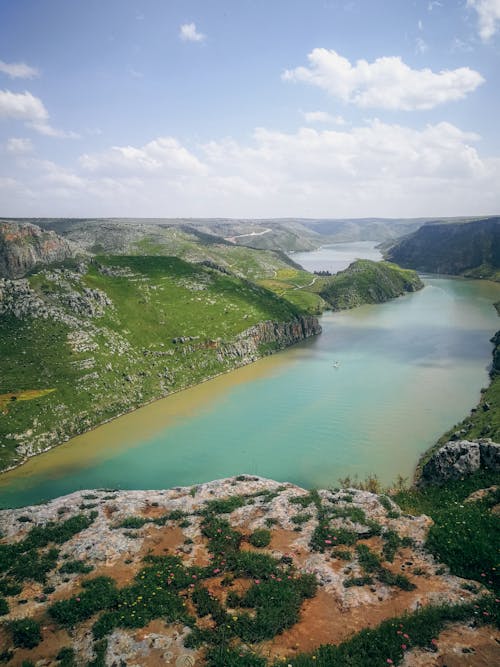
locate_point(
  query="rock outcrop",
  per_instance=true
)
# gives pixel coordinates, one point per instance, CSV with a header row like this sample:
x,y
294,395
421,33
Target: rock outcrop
x,y
267,337
122,532
24,246
456,460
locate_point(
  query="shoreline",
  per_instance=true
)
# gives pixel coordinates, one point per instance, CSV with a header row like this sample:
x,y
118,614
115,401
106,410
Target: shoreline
x,y
242,363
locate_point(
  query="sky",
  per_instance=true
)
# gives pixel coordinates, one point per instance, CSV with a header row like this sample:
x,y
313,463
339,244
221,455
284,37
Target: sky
x,y
249,108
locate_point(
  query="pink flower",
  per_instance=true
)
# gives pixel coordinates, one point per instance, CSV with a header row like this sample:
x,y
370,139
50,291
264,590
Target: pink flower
x,y
434,642
404,647
389,661
328,541
78,599
257,581
406,636
216,570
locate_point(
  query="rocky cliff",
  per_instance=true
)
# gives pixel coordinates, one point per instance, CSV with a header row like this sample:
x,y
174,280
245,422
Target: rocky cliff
x,y
267,337
240,572
457,248
24,246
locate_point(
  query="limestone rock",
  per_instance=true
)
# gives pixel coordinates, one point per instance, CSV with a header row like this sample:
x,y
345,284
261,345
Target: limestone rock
x,y
458,459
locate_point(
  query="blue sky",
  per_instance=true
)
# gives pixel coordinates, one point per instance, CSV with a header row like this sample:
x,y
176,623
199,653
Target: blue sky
x,y
254,108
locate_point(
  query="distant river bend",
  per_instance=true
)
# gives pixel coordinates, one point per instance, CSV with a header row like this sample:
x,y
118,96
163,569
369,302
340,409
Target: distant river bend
x,y
407,371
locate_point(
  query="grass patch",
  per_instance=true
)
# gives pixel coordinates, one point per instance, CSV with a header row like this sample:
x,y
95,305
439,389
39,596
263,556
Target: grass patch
x,y
465,535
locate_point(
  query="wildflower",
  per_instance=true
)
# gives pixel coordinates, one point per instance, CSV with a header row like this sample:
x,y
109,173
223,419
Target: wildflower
x,y
404,647
389,661
406,636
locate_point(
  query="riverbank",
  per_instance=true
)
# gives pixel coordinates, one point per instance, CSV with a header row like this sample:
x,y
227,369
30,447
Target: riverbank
x,y
117,334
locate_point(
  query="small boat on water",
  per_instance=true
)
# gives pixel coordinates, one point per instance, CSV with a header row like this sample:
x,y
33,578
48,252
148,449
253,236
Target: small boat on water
x,y
336,364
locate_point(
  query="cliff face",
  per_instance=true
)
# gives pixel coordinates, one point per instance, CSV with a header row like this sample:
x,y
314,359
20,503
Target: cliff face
x,y
266,337
24,246
365,281
471,248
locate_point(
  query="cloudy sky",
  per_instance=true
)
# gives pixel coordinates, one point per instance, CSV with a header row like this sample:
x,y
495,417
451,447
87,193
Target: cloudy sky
x,y
249,108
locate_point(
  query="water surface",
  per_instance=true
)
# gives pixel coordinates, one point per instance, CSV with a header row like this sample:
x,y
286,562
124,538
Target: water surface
x,y
338,256
409,369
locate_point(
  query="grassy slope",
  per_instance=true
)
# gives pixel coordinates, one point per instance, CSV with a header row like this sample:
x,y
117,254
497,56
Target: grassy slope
x,y
134,359
366,281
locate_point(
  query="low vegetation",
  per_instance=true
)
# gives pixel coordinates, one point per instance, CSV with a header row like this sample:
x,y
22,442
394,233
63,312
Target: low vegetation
x,y
365,281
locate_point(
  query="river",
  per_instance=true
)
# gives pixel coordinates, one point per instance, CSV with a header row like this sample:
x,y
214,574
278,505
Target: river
x,y
408,370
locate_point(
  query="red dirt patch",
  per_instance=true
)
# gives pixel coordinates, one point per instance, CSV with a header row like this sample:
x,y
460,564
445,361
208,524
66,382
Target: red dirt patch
x,y
323,621
481,646
160,541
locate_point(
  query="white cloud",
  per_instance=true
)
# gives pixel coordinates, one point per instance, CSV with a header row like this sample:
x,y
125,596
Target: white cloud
x,y
432,4
375,169
164,153
488,12
22,106
27,107
18,70
420,25
49,131
322,117
189,33
19,145
386,83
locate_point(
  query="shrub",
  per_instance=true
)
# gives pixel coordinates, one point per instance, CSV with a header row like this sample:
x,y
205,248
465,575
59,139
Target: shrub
x,y
369,561
25,633
4,606
399,580
392,542
224,505
75,567
260,538
301,518
132,522
98,594
66,657
358,581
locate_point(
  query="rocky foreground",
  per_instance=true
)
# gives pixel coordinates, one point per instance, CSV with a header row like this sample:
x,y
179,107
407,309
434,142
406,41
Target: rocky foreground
x,y
278,569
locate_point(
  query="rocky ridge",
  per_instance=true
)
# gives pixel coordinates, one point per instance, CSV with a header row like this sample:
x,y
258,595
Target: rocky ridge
x,y
128,525
25,246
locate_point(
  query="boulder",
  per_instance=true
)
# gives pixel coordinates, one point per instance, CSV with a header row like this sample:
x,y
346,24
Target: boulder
x,y
459,459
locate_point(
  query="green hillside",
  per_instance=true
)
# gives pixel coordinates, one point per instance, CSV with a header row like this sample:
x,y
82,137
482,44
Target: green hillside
x,y
468,248
112,336
365,281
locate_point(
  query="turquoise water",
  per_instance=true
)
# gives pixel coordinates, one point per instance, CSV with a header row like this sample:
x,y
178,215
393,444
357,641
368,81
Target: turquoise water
x,y
409,369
